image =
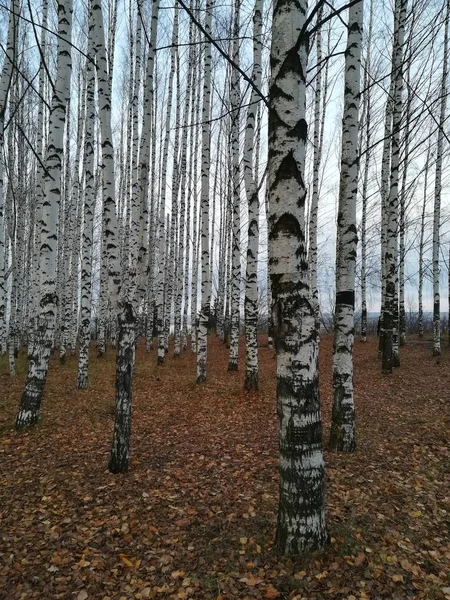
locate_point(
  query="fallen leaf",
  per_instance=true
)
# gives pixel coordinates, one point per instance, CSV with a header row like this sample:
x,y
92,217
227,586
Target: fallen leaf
x,y
271,592
126,561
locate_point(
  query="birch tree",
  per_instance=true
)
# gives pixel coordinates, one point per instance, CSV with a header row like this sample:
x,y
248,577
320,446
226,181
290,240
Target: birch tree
x,y
5,84
438,192
301,516
28,414
251,188
202,339
89,204
342,434
389,358
235,99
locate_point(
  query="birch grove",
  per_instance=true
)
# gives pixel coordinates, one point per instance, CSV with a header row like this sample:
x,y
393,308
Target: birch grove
x,y
268,174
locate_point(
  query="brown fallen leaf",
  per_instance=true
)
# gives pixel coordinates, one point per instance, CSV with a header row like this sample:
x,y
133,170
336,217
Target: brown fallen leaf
x,y
271,592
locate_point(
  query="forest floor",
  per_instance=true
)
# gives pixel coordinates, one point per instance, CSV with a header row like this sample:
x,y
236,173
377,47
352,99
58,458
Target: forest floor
x,y
195,516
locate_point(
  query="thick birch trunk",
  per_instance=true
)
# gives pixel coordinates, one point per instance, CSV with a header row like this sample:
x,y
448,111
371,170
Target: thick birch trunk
x,y
28,414
301,516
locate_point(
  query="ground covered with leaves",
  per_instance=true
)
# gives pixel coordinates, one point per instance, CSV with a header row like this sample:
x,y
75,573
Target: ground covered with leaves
x,y
195,516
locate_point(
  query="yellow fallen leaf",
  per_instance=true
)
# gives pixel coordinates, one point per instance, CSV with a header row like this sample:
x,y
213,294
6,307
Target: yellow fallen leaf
x,y
243,540
300,575
397,578
415,514
126,561
177,574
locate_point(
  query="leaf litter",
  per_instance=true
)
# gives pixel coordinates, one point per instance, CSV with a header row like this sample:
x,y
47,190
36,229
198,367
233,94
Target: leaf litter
x,y
195,516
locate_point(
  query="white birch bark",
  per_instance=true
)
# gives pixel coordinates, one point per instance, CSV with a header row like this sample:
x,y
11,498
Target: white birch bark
x,y
301,516
235,100
195,226
402,224
367,112
385,170
251,188
422,243
202,336
5,83
161,305
390,359
342,434
28,414
317,143
438,192
182,280
146,165
89,204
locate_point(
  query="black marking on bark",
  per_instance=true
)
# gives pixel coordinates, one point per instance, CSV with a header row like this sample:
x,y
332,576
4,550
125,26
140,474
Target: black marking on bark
x,y
346,297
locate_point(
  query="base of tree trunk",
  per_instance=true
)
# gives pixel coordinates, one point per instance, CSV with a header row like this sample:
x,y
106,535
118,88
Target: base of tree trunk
x,y
160,360
82,382
62,359
310,538
233,366
201,379
337,443
118,464
363,339
251,381
395,360
27,418
176,354
436,352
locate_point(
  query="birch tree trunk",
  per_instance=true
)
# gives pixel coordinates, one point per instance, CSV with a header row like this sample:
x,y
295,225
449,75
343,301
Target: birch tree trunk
x,y
235,99
402,227
202,337
367,112
385,169
301,516
438,192
251,188
342,434
89,204
28,414
5,84
161,304
312,233
389,359
421,249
